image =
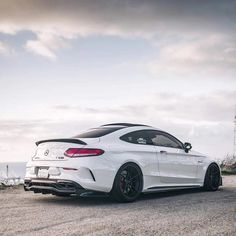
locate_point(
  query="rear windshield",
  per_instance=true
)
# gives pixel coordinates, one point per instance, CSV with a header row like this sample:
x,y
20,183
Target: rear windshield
x,y
98,132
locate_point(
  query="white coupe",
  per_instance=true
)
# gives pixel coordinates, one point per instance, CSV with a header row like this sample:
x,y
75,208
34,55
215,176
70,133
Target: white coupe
x,y
120,159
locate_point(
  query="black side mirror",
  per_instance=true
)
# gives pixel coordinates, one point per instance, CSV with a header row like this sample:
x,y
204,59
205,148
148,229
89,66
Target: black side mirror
x,y
187,147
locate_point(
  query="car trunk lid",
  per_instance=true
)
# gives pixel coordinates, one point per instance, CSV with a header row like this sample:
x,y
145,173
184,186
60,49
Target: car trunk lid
x,y
54,149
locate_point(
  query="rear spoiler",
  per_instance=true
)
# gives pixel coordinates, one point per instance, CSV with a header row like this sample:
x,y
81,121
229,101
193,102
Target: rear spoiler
x,y
62,140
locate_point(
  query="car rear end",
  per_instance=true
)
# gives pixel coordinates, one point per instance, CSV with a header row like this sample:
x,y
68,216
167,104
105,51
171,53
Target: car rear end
x,y
68,166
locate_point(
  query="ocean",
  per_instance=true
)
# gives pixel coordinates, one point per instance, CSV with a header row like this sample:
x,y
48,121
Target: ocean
x,y
15,169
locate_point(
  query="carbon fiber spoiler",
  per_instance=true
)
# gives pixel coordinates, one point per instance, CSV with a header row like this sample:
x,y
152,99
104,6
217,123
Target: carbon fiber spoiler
x,y
62,140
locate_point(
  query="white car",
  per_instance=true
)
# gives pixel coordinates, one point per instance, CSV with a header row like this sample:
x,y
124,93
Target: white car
x,y
121,159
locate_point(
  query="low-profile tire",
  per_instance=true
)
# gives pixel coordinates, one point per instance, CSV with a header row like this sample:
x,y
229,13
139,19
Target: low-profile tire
x,y
212,178
128,183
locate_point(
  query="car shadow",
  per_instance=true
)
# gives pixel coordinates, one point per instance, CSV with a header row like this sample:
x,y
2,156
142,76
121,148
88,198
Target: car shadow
x,y
169,193
101,200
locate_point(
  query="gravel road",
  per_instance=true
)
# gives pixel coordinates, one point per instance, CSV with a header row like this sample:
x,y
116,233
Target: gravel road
x,y
186,212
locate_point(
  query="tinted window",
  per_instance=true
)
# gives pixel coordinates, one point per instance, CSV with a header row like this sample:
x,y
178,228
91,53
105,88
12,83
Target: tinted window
x,y
96,133
152,137
165,140
137,137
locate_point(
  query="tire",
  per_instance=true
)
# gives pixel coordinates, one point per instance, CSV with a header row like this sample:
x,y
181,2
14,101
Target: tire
x,y
212,178
63,195
128,183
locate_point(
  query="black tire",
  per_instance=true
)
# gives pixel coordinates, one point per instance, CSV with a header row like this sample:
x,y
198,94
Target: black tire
x,y
63,194
212,178
128,183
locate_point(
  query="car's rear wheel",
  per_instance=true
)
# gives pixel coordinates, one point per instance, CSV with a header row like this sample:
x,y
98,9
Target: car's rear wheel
x,y
128,183
212,178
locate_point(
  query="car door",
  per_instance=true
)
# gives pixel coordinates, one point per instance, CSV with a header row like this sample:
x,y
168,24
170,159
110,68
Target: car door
x,y
175,165
140,148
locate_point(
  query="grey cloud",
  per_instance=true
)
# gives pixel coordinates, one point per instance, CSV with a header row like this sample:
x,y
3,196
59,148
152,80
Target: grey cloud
x,y
36,129
131,110
214,107
117,16
21,128
159,21
212,55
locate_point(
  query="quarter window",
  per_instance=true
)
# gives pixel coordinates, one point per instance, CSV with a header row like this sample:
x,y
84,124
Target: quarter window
x,y
137,137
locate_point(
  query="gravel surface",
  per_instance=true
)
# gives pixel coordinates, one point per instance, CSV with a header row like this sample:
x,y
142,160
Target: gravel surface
x,y
186,212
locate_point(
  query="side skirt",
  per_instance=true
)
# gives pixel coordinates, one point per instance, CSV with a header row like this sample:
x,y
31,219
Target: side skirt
x,y
169,188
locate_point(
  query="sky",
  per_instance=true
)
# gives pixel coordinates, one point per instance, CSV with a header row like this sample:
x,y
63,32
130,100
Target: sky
x,y
66,66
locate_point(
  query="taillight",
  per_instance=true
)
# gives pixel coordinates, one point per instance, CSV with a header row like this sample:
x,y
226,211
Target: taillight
x,y
83,152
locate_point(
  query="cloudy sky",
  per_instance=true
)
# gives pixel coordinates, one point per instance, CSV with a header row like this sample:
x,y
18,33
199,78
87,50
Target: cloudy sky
x,y
66,66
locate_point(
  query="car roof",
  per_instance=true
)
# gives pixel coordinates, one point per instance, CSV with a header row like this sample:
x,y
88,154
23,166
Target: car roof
x,y
124,124
124,129
128,127
119,129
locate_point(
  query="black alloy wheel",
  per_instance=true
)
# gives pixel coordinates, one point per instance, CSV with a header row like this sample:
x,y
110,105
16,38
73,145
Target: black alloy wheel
x,y
212,178
128,183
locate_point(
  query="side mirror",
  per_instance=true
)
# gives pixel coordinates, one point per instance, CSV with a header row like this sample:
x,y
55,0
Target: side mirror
x,y
187,147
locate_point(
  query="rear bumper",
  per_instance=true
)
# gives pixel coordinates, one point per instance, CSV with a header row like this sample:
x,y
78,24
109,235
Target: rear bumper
x,y
56,187
91,173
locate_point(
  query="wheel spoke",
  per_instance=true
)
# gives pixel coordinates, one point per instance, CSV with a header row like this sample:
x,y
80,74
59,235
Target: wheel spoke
x,y
129,181
135,190
134,177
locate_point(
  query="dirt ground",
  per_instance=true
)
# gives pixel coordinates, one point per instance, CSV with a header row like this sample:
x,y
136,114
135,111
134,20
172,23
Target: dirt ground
x,y
186,212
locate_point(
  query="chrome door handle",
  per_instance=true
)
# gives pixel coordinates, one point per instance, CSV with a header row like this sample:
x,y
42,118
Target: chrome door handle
x,y
200,161
163,152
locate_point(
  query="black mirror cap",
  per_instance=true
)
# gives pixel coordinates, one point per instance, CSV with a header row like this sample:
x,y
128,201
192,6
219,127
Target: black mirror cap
x,y
187,147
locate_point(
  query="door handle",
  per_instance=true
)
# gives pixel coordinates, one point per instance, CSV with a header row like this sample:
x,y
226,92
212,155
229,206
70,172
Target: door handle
x,y
200,161
163,152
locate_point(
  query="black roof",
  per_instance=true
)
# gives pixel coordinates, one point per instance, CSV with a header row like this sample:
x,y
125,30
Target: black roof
x,y
124,124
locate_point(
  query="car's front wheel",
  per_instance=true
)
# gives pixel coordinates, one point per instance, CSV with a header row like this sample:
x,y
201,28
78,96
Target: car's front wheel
x,y
212,178
128,183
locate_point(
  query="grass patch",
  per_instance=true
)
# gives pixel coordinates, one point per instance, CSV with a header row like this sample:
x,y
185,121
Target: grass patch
x,y
228,172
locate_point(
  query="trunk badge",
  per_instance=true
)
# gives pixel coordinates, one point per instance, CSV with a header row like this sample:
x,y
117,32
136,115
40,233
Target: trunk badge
x,y
46,152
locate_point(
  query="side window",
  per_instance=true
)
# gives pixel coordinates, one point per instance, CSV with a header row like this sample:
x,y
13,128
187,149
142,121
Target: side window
x,y
164,140
137,137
